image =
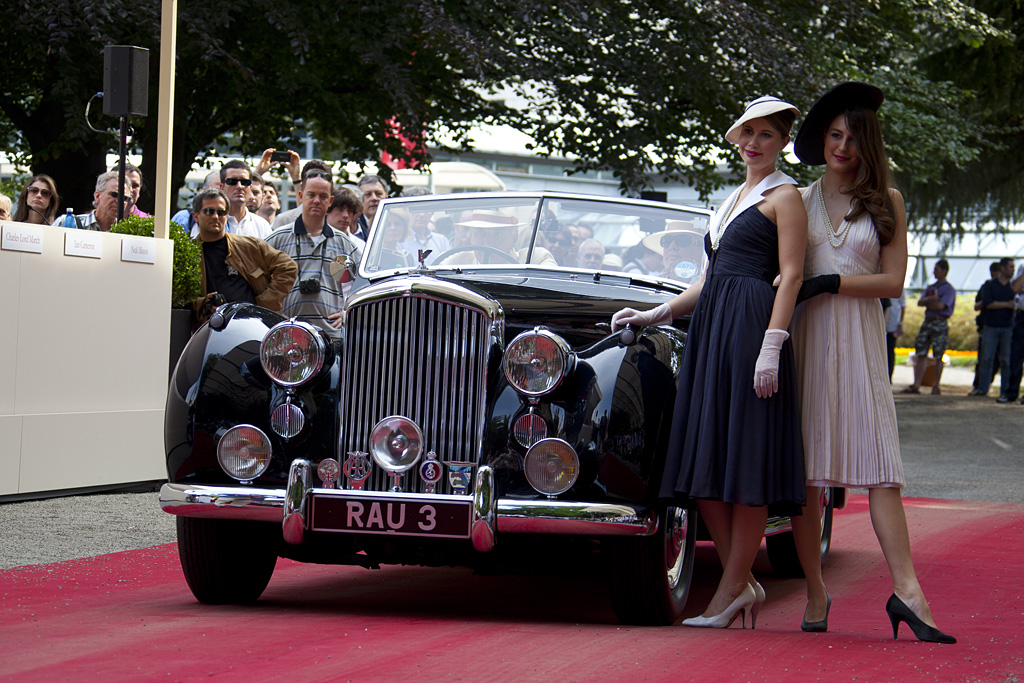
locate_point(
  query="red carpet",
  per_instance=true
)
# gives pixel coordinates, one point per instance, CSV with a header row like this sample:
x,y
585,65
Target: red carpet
x,y
129,616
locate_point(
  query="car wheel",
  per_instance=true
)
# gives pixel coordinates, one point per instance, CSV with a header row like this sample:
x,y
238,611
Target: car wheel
x,y
782,548
225,561
650,577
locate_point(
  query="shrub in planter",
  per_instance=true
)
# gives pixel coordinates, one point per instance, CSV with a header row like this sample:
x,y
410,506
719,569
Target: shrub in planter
x,y
186,276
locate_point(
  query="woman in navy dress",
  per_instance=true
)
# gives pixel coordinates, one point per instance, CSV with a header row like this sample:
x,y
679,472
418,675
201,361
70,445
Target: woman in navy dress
x,y
736,445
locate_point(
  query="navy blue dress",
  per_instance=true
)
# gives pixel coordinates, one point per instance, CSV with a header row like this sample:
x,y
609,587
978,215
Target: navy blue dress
x,y
726,443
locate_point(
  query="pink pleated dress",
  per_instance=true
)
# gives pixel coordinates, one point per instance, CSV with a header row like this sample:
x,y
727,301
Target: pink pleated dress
x,y
848,414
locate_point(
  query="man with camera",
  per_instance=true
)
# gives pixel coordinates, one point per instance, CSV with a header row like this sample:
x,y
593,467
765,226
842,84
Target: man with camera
x,y
235,267
326,257
236,182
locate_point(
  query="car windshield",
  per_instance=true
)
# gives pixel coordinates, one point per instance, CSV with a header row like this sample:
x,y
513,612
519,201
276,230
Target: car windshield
x,y
556,232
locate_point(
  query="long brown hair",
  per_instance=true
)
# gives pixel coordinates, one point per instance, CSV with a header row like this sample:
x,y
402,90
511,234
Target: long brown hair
x,y
21,214
871,187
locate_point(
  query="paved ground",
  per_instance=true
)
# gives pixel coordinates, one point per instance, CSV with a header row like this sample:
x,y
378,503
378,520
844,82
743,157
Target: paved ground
x,y
954,447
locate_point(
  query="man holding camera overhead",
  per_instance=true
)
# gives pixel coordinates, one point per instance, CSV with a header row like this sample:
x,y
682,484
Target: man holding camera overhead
x,y
236,182
326,257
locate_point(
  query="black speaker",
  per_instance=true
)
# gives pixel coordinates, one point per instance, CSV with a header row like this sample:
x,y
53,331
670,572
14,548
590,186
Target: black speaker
x,y
654,195
125,80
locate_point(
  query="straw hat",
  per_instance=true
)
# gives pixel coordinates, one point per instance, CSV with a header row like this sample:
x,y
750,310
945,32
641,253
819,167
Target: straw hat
x,y
490,219
653,241
759,108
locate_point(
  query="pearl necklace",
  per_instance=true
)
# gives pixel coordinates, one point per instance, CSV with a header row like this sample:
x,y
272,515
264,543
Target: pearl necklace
x,y
721,227
835,237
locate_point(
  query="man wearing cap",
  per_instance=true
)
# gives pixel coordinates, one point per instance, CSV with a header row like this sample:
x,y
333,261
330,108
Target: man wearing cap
x,y
682,251
496,234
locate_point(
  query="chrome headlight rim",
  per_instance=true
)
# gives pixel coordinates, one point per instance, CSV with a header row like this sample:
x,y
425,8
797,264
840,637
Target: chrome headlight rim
x,y
318,346
226,439
566,357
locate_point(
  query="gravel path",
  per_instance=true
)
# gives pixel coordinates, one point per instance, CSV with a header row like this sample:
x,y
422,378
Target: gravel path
x,y
42,531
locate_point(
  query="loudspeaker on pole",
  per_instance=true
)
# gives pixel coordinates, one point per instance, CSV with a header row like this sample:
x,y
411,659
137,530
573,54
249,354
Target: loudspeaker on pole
x,y
125,80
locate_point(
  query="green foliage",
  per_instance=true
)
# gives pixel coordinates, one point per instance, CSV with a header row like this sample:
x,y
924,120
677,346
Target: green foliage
x,y
186,278
963,333
608,83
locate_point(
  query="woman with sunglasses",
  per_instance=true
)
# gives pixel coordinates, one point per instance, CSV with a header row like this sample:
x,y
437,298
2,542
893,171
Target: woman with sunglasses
x,y
735,446
856,253
38,201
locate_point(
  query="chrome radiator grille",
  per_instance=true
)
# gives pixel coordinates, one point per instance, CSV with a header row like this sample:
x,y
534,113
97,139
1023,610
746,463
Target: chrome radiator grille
x,y
423,359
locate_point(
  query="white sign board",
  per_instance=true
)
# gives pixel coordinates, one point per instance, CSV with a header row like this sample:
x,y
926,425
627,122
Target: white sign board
x,y
20,237
138,249
87,243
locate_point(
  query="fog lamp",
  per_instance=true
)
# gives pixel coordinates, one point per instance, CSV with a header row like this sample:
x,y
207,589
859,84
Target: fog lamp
x,y
292,352
396,443
529,429
551,466
243,452
287,420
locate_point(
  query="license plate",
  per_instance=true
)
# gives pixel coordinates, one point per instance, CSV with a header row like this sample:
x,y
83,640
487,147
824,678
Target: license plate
x,y
398,517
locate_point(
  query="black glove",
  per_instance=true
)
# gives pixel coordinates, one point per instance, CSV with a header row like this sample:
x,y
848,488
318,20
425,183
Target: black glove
x,y
819,284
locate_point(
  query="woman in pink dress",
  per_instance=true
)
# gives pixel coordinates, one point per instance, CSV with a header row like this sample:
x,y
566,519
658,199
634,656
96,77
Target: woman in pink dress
x,y
856,253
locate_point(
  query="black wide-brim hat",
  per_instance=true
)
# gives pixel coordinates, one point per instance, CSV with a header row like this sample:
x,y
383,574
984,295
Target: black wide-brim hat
x,y
810,139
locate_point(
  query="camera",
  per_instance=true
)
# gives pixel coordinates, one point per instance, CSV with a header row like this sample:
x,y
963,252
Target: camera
x,y
309,286
280,156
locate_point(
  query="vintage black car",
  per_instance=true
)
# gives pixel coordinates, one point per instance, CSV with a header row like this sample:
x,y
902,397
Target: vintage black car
x,y
475,409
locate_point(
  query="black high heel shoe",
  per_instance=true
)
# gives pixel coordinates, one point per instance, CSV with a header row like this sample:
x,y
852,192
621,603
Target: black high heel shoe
x,y
818,626
898,611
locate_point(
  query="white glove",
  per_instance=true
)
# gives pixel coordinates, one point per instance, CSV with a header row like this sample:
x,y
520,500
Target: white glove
x,y
766,370
659,315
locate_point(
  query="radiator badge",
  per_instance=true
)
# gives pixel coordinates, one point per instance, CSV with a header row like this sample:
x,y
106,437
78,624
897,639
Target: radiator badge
x,y
431,471
328,470
459,474
357,469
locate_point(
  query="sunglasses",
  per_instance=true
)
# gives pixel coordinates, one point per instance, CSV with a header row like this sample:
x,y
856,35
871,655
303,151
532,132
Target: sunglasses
x,y
677,240
114,195
317,174
210,211
244,182
46,194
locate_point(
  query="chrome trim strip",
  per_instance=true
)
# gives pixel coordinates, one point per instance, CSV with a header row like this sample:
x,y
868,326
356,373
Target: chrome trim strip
x,y
510,516
584,519
293,521
222,502
484,511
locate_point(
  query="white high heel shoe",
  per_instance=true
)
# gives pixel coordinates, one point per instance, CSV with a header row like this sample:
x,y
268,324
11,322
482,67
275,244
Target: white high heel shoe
x,y
739,607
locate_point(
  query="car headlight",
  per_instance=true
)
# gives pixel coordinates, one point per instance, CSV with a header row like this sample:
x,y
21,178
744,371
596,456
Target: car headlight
x,y
551,466
536,362
292,352
244,452
396,443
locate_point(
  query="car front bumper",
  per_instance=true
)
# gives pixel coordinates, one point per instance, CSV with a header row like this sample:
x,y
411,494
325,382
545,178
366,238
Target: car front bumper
x,y
490,516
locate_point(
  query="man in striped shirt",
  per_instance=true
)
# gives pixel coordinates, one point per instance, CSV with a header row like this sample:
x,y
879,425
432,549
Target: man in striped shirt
x,y
321,254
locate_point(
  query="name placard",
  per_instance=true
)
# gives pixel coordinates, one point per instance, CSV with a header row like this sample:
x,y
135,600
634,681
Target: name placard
x,y
21,237
138,249
86,243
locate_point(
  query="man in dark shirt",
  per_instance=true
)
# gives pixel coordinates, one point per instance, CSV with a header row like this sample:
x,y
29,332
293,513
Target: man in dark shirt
x,y
997,303
236,267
